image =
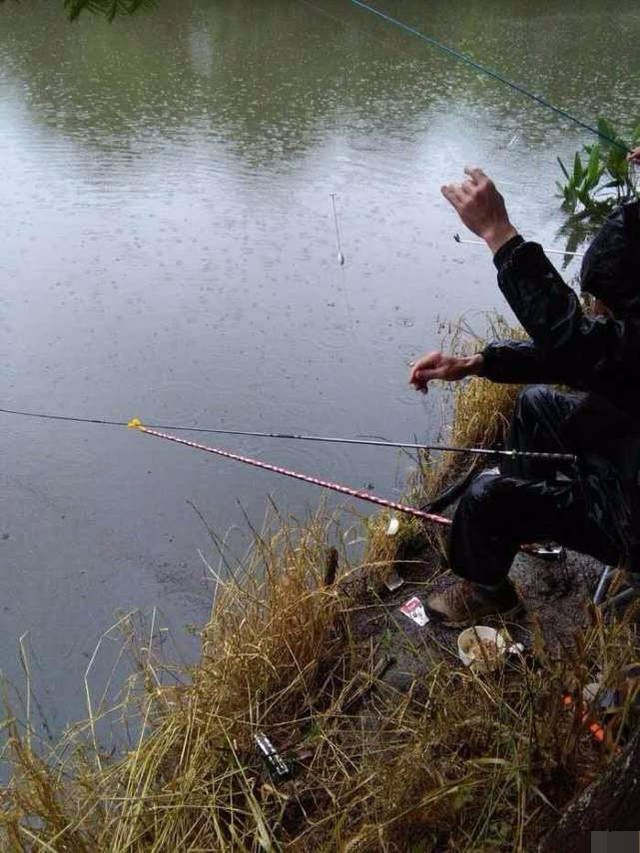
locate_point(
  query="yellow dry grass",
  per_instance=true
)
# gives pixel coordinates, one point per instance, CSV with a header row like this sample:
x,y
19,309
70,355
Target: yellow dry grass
x,y
464,762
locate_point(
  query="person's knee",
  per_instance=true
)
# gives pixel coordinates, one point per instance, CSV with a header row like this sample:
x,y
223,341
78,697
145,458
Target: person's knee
x,y
486,490
532,400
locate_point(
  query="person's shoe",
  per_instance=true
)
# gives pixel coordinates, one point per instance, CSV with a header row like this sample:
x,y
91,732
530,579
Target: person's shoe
x,y
464,603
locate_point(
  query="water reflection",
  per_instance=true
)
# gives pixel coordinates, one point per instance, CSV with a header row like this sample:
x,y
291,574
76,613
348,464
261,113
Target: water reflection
x,y
273,82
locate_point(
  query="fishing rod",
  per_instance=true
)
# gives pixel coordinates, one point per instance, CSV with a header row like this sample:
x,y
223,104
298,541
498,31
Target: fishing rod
x,y
316,481
371,442
459,239
286,472
463,57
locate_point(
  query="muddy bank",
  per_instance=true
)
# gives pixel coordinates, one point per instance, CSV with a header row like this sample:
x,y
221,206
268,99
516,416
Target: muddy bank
x,y
557,598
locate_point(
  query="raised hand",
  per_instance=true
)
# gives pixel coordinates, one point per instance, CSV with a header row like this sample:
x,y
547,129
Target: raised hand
x,y
481,208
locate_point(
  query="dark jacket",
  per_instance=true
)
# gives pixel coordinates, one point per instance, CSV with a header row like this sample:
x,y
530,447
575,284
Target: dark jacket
x,y
598,356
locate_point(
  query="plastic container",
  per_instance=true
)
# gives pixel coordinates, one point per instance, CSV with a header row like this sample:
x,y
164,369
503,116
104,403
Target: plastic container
x,y
482,658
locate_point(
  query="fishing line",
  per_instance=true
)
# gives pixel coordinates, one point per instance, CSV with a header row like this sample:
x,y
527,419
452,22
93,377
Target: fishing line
x,y
335,222
450,51
457,54
474,451
460,240
340,259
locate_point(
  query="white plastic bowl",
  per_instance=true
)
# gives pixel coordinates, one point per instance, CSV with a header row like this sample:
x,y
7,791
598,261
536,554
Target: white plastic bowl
x,y
480,662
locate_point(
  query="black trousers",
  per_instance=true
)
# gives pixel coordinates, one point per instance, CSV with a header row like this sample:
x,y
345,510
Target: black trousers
x,y
527,502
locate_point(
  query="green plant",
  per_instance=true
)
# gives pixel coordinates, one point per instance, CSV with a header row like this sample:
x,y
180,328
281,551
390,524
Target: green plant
x,y
602,177
109,8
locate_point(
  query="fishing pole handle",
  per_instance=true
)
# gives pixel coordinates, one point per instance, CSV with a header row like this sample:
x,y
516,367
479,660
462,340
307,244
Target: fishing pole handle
x,y
539,454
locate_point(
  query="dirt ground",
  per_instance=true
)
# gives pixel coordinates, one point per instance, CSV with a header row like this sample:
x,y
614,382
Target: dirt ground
x,y
556,598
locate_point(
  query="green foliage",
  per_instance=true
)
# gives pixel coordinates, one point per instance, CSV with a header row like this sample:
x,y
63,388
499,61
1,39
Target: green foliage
x,y
602,177
109,8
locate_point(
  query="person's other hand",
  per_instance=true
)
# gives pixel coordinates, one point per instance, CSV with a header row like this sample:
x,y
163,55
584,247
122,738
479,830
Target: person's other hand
x,y
450,368
634,155
481,208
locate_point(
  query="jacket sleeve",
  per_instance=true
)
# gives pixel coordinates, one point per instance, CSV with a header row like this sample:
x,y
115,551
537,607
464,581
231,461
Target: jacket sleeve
x,y
551,314
520,362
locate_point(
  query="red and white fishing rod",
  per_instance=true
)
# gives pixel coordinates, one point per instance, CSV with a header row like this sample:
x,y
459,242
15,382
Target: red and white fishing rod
x,y
286,472
316,481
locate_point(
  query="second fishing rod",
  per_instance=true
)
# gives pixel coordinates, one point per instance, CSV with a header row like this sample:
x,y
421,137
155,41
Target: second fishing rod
x,y
371,442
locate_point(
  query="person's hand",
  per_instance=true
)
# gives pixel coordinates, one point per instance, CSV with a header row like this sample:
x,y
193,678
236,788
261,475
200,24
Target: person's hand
x,y
481,207
634,155
450,368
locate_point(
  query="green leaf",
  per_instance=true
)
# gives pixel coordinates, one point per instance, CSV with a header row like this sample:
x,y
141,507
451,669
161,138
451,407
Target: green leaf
x,y
109,8
583,197
617,165
611,139
607,131
564,169
570,199
578,171
594,169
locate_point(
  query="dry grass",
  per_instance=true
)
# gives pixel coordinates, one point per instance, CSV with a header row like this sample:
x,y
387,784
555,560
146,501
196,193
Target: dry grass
x,y
463,762
384,553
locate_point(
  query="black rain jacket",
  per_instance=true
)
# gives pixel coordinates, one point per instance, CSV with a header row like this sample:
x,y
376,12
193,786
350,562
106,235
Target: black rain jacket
x,y
599,356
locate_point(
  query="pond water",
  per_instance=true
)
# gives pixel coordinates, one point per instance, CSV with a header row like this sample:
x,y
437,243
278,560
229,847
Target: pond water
x,y
169,252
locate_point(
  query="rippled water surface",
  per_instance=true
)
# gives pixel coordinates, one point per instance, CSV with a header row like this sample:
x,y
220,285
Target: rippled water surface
x,y
169,251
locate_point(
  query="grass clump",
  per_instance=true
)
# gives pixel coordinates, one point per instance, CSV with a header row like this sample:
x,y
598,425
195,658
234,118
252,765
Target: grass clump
x,y
463,762
189,782
403,549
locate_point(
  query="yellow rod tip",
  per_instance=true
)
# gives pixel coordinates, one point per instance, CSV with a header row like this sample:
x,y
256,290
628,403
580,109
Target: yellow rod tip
x,y
135,423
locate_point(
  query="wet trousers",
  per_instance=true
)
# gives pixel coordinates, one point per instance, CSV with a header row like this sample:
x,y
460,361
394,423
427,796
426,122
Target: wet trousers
x,y
527,502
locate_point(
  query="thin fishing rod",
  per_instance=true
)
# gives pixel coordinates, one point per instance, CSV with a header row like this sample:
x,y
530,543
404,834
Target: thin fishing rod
x,y
489,72
371,442
459,239
326,484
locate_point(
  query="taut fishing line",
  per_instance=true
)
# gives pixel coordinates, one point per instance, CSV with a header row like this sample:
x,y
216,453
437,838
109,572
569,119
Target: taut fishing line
x,y
340,259
462,57
335,222
472,63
